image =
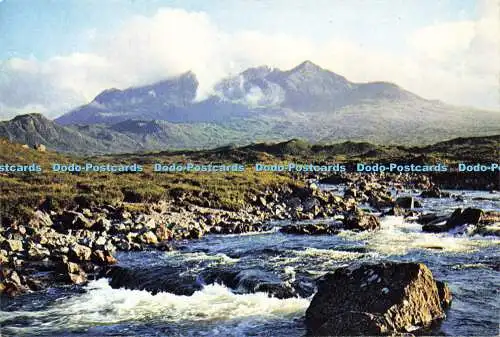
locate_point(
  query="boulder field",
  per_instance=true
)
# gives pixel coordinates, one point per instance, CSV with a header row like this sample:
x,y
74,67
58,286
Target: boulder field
x,y
74,245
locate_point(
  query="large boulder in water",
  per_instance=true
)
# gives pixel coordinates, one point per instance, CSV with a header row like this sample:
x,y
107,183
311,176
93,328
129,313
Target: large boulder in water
x,y
311,229
255,280
408,202
385,298
175,280
470,216
153,279
434,192
358,221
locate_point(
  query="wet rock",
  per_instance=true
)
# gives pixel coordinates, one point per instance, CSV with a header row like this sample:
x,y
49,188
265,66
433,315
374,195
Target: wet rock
x,y
102,258
444,293
430,217
385,298
37,251
148,238
435,228
80,278
79,252
196,233
358,221
64,266
490,230
165,246
250,281
71,272
255,280
310,229
395,211
434,192
408,202
162,232
122,244
12,245
154,279
470,216
10,282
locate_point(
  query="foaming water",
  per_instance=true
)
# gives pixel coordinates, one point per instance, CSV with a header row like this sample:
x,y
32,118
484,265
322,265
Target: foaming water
x,y
213,307
397,237
468,263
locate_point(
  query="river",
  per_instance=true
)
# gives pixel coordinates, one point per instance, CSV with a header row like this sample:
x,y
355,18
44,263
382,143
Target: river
x,y
469,264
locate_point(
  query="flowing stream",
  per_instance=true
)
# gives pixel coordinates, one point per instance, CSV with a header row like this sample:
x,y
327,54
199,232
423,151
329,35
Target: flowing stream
x,y
469,264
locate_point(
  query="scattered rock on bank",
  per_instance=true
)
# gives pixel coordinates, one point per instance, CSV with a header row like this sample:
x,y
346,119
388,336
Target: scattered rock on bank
x,y
10,282
385,298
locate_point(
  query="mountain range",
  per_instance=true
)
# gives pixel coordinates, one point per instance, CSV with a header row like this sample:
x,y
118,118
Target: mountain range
x,y
259,104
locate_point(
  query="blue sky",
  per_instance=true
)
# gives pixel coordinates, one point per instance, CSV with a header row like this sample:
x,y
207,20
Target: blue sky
x,y
58,54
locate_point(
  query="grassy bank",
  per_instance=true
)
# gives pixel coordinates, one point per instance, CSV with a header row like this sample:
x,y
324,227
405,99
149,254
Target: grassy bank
x,y
20,193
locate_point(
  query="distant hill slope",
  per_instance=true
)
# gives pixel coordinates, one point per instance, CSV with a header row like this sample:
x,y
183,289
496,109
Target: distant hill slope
x,y
34,129
128,136
123,137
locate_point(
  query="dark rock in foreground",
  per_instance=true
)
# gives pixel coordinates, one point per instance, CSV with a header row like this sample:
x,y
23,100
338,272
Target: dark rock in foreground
x,y
385,298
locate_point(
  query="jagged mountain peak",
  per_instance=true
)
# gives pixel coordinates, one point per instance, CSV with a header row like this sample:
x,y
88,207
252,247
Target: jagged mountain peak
x,y
307,87
30,116
32,120
256,72
184,85
308,66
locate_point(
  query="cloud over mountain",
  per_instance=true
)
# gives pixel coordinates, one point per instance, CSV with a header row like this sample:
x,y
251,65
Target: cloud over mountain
x,y
456,61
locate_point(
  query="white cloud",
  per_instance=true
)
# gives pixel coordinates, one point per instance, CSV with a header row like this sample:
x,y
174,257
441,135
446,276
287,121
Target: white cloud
x,y
457,62
464,56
